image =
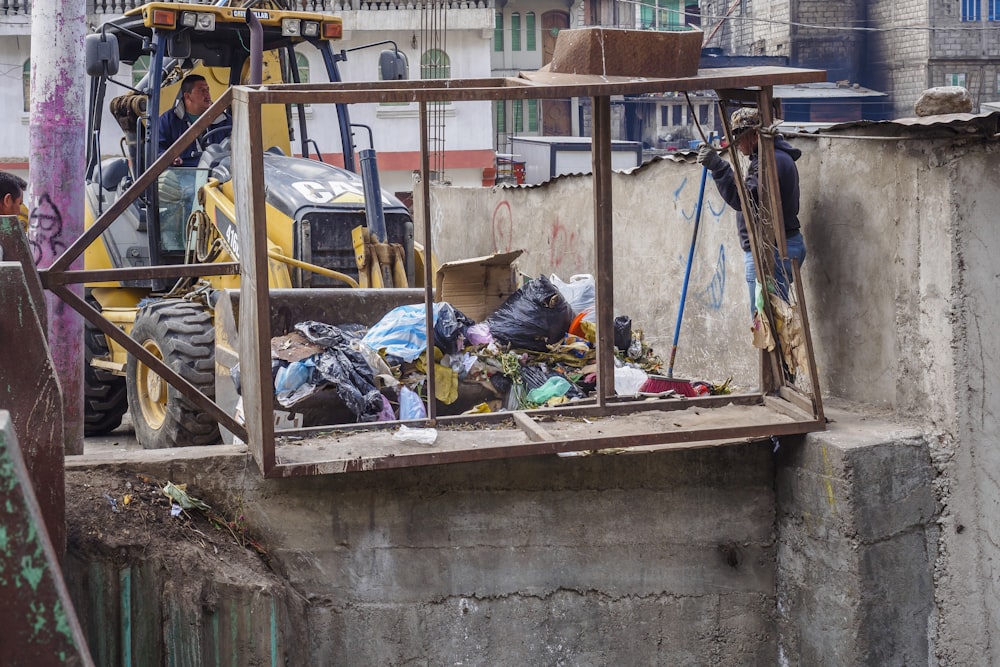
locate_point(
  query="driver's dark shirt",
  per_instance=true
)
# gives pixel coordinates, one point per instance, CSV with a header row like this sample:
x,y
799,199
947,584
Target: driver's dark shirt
x,y
172,127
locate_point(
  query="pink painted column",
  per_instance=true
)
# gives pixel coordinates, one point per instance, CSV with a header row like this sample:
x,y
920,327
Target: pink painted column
x,y
57,131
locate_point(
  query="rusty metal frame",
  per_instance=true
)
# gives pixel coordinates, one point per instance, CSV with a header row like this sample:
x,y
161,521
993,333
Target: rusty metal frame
x,y
804,412
58,276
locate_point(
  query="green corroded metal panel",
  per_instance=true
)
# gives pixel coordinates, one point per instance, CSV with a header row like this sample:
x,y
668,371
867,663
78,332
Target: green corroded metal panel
x,y
39,626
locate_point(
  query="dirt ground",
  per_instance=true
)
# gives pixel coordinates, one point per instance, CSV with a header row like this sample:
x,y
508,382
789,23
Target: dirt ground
x,y
126,516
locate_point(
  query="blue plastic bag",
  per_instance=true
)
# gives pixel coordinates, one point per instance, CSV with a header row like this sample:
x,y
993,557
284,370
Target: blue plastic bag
x,y
410,404
403,331
293,376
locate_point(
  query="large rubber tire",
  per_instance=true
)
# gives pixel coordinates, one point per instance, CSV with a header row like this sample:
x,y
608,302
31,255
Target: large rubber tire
x,y
182,334
105,399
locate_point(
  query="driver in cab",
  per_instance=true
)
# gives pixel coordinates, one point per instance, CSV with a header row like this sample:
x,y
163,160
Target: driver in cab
x,y
192,101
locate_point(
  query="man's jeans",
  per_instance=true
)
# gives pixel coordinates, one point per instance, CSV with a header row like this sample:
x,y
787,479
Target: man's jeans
x,y
796,250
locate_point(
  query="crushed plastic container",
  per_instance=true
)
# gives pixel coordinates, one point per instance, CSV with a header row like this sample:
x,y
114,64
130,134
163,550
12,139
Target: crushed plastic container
x,y
554,386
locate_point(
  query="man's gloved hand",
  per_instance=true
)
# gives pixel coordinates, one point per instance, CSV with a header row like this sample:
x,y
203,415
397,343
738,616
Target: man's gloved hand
x,y
709,158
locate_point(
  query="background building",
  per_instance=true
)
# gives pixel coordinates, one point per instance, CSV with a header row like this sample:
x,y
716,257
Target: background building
x,y
447,39
901,48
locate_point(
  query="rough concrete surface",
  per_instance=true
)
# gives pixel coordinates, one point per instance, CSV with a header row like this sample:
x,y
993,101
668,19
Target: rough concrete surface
x,y
628,559
900,281
820,554
874,546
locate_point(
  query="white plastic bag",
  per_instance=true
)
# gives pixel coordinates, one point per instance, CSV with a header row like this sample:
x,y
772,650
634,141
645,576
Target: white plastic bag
x,y
580,292
629,380
421,436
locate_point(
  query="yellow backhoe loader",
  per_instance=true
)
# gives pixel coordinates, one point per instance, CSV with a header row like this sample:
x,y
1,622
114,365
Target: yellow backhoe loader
x,y
327,226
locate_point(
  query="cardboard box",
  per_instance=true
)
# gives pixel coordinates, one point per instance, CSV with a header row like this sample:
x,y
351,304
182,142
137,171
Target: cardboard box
x,y
479,285
636,53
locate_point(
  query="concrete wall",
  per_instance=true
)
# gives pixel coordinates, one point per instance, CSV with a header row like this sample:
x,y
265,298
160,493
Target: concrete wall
x,y
654,211
656,559
899,281
911,262
821,554
857,538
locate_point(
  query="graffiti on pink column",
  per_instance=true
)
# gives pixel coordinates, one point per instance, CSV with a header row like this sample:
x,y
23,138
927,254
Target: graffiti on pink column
x,y
45,231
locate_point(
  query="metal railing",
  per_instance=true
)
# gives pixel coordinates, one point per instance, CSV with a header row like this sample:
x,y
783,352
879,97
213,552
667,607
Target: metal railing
x,y
14,7
118,7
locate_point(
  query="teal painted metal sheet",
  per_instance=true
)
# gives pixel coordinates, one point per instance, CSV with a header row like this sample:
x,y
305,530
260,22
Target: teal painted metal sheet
x,y
37,617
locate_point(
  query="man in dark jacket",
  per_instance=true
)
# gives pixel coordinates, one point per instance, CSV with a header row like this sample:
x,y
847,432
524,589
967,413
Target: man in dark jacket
x,y
178,187
744,124
192,101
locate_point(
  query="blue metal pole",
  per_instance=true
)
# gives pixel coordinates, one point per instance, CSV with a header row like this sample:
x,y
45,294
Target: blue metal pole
x,y
687,271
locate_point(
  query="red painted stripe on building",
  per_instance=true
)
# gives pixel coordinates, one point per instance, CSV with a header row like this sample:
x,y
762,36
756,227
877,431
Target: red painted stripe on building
x,y
410,160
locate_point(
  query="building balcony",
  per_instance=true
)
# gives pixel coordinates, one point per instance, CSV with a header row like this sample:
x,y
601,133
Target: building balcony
x,y
15,15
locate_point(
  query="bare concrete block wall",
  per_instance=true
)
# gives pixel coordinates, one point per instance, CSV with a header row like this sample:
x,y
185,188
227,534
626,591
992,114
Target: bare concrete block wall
x,y
902,279
654,211
857,541
655,559
900,282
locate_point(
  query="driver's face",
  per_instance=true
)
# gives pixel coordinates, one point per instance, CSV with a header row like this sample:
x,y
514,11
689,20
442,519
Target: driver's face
x,y
198,100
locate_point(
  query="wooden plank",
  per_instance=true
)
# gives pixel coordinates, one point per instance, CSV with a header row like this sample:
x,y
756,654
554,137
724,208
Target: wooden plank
x,y
772,228
792,395
530,427
581,410
546,85
767,360
376,450
603,248
254,316
425,186
817,397
798,410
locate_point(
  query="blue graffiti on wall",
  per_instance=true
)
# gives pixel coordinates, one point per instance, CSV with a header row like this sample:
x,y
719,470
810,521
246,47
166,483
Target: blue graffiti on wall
x,y
712,294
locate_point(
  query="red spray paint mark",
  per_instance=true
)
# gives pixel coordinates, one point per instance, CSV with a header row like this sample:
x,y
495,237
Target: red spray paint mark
x,y
503,227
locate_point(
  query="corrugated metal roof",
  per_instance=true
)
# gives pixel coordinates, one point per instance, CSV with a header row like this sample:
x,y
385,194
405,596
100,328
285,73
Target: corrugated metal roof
x,y
970,123
824,90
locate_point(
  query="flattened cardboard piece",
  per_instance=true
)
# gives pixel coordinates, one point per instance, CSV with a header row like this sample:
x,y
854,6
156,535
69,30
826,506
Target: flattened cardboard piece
x,y
478,286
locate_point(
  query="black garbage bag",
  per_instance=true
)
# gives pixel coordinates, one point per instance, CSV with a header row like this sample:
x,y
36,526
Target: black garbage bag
x,y
343,368
450,327
623,332
534,376
351,377
534,316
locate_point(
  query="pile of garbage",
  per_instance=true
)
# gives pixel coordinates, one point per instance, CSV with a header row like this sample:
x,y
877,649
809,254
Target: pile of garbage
x,y
537,349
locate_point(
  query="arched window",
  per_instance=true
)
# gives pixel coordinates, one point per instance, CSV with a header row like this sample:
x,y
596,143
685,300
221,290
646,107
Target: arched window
x,y
529,30
302,64
435,64
139,69
26,82
498,33
515,31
